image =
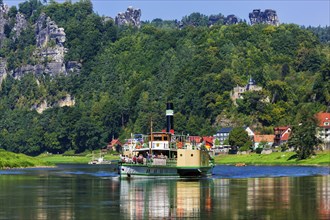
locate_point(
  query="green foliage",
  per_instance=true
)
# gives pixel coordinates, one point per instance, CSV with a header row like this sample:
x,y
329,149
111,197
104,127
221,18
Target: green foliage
x,y
129,74
195,19
275,158
12,160
238,137
303,137
27,8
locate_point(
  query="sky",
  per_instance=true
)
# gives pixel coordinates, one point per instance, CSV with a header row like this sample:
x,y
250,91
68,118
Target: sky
x,y
301,12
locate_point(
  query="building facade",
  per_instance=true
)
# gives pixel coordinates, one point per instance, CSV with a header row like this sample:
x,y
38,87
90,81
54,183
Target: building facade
x,y
238,91
323,129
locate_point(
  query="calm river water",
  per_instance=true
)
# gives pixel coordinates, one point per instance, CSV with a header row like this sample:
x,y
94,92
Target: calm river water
x,y
96,192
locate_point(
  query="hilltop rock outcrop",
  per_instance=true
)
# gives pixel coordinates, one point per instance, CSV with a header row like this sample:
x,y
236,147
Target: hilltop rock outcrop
x,y
231,19
130,17
267,17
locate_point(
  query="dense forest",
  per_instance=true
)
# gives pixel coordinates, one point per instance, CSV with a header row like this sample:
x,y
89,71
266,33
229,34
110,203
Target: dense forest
x,y
128,74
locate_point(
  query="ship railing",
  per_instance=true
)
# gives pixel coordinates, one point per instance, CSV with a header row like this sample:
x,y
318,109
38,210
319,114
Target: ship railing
x,y
161,162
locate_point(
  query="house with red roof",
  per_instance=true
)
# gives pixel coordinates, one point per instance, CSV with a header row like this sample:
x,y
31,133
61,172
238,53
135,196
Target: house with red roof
x,y
114,145
208,141
323,128
282,135
263,138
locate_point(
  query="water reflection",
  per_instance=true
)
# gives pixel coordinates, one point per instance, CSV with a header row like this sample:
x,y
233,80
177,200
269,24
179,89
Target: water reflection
x,y
254,198
143,199
95,193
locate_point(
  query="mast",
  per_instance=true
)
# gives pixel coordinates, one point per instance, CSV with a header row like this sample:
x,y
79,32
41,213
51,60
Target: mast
x,y
151,138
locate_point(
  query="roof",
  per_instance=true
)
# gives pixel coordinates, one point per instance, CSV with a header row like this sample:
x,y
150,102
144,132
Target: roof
x,y
285,137
267,138
282,128
225,130
323,119
208,139
114,142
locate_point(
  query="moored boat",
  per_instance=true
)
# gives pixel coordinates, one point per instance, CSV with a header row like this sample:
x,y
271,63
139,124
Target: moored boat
x,y
166,154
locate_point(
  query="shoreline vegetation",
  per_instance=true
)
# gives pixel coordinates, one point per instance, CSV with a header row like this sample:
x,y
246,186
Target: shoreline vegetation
x,y
322,158
12,160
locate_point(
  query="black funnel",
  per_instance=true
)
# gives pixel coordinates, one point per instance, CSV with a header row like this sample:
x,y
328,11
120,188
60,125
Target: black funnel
x,y
169,117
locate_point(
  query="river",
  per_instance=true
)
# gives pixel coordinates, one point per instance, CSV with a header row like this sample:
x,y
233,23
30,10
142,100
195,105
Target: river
x,y
96,192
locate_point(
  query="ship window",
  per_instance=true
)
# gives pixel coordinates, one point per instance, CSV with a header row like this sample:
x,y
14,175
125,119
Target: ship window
x,y
191,155
180,155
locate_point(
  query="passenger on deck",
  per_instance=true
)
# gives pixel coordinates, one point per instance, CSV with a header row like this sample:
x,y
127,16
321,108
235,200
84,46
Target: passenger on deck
x,y
140,159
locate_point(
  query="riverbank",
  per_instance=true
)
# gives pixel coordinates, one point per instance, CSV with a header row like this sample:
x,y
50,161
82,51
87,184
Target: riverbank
x,y
11,160
275,158
84,159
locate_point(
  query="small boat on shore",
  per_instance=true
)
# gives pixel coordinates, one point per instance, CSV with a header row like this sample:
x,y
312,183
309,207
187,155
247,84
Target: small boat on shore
x,y
165,154
100,161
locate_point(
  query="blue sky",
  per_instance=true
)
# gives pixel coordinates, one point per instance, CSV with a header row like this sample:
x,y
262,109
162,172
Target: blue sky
x,y
303,12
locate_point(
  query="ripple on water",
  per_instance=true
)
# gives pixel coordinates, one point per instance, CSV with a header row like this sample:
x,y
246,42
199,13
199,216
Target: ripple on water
x,y
268,171
11,172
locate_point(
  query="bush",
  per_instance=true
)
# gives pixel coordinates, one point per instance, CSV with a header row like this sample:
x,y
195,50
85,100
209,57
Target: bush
x,y
259,150
245,147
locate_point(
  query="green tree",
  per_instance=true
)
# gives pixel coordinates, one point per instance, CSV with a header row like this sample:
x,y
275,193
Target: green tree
x,y
238,137
303,137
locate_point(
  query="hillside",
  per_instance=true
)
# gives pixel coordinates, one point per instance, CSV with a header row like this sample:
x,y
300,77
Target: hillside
x,y
123,77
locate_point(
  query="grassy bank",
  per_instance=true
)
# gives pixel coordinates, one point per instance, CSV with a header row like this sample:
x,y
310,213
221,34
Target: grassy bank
x,y
12,160
276,158
82,159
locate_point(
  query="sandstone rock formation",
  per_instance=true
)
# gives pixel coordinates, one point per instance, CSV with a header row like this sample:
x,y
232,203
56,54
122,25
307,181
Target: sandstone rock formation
x,y
267,17
50,51
47,30
20,24
3,70
213,19
3,21
231,19
130,17
44,105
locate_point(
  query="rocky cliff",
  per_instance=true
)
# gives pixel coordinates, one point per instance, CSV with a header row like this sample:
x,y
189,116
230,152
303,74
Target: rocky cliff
x,y
231,19
50,50
130,17
46,56
267,17
3,20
